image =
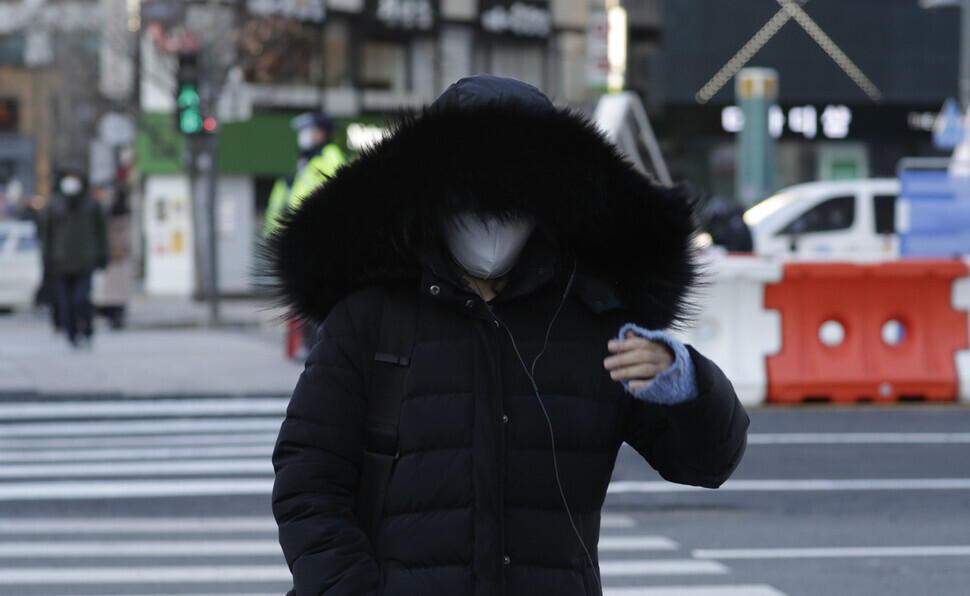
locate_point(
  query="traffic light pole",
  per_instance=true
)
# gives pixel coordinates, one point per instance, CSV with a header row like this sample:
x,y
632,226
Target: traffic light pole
x,y
212,188
210,162
202,169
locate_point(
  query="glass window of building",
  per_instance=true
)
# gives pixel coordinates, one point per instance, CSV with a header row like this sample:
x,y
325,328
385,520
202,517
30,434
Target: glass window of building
x,y
525,62
12,49
275,50
384,66
335,54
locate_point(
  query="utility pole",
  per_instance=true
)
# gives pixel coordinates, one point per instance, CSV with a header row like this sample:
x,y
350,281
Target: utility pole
x,y
196,96
756,90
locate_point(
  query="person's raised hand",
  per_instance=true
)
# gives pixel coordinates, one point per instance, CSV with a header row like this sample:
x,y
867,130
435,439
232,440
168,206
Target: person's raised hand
x,y
637,360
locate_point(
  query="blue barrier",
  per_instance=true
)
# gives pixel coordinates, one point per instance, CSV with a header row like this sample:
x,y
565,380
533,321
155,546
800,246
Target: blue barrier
x,y
933,213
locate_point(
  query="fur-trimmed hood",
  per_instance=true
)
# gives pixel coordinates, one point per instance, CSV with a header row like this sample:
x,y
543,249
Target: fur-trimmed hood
x,y
497,146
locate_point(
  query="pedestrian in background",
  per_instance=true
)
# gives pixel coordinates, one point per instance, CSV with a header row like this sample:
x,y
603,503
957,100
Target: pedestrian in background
x,y
75,243
319,158
46,295
113,286
723,218
536,269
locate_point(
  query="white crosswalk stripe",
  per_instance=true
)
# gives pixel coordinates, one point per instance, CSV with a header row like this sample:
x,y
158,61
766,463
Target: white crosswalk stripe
x,y
138,448
86,451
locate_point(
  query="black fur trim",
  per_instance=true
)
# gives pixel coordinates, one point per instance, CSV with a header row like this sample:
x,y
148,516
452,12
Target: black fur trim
x,y
367,223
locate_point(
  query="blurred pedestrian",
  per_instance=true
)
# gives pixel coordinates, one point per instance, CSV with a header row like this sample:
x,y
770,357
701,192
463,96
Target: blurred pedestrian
x,y
75,243
494,279
113,286
278,203
723,219
318,160
45,296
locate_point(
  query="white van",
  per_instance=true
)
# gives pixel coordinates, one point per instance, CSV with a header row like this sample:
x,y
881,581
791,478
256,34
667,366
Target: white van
x,y
836,219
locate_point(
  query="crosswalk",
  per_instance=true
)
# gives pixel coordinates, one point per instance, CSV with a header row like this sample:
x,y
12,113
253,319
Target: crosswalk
x,y
118,459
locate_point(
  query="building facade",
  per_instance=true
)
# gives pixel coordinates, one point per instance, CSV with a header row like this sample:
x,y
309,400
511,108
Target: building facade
x,y
860,85
359,61
64,67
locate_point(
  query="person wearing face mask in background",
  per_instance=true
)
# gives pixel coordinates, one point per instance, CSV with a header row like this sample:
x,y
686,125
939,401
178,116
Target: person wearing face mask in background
x,y
319,159
75,244
538,268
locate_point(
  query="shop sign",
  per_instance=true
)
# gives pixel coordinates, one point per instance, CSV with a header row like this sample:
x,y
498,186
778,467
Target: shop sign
x,y
948,127
832,122
597,52
165,12
313,11
404,15
522,18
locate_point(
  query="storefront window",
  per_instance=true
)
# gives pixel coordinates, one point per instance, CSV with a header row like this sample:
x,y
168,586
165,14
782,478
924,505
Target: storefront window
x,y
384,65
525,62
12,49
276,50
336,41
9,114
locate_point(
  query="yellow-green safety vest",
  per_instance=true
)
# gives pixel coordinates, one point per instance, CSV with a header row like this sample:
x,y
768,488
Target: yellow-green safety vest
x,y
317,171
278,199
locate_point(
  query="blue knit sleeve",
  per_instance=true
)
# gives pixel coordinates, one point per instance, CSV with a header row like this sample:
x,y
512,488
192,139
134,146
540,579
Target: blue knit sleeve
x,y
677,384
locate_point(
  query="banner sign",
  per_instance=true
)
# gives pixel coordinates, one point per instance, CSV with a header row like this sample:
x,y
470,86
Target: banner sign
x,y
313,11
403,16
516,18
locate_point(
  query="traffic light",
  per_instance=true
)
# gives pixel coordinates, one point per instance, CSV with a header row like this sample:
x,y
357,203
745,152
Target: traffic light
x,y
188,109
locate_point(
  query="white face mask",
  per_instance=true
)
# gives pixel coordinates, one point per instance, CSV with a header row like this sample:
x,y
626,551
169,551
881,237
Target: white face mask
x,y
487,249
306,138
70,185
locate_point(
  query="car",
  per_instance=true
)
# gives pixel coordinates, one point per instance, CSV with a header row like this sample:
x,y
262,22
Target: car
x,y
833,219
21,265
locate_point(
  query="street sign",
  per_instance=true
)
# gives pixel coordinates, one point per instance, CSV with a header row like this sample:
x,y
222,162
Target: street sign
x,y
235,102
948,128
117,129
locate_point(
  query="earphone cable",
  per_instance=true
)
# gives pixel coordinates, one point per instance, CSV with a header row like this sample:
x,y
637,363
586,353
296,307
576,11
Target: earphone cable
x,y
530,373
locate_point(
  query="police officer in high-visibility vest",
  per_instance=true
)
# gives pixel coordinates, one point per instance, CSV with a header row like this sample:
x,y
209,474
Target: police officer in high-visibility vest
x,y
314,136
319,160
279,197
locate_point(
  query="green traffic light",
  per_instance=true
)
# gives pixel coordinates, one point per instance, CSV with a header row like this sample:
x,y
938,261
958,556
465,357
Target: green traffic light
x,y
188,96
190,119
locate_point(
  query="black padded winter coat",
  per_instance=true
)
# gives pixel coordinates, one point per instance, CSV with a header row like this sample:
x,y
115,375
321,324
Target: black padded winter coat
x,y
474,505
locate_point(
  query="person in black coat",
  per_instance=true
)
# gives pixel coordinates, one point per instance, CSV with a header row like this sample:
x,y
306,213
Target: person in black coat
x,y
75,244
543,268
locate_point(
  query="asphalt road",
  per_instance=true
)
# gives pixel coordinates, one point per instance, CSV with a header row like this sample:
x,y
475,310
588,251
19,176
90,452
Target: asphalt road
x,y
827,501
172,497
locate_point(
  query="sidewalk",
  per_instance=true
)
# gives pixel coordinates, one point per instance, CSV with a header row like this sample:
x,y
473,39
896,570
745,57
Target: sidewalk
x,y
170,347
